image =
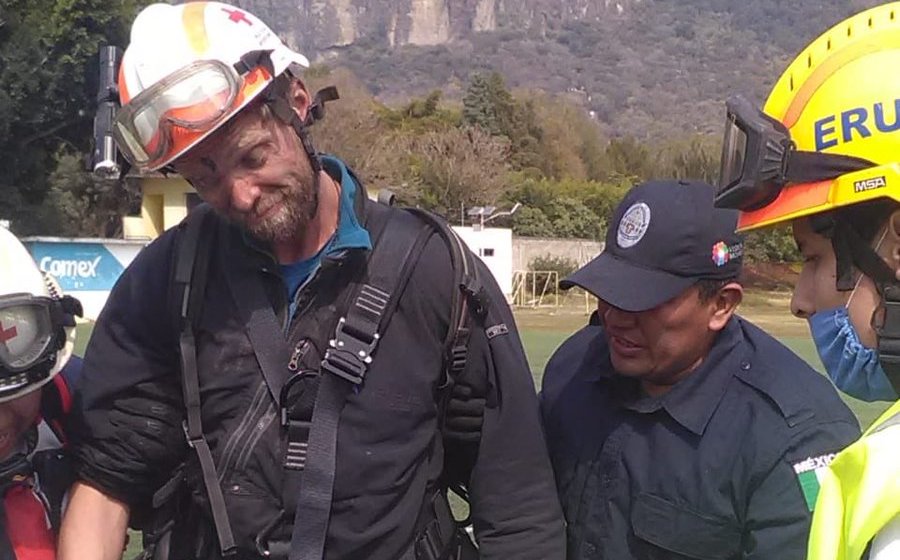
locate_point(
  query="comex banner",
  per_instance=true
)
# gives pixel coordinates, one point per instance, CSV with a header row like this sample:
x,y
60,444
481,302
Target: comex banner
x,y
86,269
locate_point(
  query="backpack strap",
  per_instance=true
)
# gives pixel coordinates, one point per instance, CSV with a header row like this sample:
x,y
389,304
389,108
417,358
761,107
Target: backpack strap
x,y
191,270
469,297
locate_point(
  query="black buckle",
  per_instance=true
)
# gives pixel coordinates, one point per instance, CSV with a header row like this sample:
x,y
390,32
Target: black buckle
x,y
191,441
295,453
348,356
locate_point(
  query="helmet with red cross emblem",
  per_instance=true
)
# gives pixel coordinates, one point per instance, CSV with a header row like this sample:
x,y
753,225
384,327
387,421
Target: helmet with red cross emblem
x,y
188,69
37,323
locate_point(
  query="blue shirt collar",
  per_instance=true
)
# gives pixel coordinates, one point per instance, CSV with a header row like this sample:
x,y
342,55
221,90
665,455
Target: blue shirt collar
x,y
350,234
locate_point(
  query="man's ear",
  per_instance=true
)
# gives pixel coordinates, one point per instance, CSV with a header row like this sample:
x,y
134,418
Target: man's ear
x,y
300,98
724,304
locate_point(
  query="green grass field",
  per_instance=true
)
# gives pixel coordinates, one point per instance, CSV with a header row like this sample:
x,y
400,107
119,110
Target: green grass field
x,y
543,329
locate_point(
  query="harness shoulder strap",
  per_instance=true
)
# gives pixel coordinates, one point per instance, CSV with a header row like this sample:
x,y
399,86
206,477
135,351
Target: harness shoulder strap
x,y
191,270
344,367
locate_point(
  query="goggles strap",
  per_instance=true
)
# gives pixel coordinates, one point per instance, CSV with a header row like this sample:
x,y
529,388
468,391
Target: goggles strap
x,y
278,98
809,167
255,59
889,333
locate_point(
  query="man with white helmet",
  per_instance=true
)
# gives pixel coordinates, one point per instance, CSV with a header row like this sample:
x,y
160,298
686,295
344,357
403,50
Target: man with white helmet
x,y
823,156
306,387
37,335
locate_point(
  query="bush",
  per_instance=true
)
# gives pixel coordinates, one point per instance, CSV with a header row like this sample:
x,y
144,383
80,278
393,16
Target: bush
x,y
545,266
771,245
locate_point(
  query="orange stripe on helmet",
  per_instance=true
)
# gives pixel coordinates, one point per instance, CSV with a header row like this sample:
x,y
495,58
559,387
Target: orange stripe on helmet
x,y
124,95
831,65
193,18
792,200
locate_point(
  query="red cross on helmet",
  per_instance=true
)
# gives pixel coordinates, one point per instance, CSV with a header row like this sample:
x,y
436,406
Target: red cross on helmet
x,y
188,69
37,328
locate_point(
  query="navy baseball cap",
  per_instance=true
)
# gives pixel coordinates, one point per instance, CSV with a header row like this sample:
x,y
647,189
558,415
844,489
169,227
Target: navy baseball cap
x,y
663,238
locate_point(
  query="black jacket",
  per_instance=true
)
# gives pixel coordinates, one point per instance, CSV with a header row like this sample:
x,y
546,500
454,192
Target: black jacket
x,y
389,448
710,470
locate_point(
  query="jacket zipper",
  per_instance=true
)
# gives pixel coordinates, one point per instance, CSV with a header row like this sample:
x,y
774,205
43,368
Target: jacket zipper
x,y
232,444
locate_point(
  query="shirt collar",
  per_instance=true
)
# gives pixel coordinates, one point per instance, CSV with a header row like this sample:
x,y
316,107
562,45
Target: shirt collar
x,y
692,401
350,234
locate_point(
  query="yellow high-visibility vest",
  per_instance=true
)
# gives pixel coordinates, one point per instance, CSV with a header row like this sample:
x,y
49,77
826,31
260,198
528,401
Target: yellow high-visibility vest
x,y
859,492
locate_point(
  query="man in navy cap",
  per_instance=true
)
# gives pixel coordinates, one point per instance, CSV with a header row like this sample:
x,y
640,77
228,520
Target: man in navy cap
x,y
676,428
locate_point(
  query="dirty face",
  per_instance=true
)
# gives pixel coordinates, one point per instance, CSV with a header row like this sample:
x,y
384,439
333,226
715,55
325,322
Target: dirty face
x,y
17,417
255,172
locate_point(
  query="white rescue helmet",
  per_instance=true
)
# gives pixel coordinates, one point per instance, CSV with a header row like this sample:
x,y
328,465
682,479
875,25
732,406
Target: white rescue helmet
x,y
188,69
37,324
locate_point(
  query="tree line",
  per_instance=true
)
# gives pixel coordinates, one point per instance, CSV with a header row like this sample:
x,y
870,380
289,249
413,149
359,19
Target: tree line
x,y
494,146
499,147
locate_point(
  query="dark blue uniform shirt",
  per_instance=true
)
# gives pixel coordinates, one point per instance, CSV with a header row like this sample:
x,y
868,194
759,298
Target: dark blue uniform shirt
x,y
707,471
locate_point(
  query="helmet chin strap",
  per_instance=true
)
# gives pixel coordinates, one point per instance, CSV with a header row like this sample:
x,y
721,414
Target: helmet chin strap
x,y
850,251
279,99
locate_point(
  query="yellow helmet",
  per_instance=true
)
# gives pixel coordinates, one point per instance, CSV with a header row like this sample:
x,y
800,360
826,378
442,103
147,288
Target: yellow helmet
x,y
829,134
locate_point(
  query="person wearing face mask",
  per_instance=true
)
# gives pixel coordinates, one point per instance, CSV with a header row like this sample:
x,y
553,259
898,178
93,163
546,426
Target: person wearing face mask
x,y
676,428
822,156
37,375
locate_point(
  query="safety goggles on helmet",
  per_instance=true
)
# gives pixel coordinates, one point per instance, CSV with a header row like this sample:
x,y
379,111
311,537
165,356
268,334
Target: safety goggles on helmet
x,y
32,331
194,99
759,159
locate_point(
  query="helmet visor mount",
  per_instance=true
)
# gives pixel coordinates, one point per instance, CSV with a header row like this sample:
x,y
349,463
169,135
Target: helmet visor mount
x,y
759,159
195,98
754,152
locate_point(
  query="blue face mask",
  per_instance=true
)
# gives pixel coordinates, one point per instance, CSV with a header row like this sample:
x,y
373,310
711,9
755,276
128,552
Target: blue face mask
x,y
854,368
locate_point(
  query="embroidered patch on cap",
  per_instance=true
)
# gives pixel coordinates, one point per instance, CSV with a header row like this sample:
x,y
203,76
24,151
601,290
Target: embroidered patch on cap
x,y
722,253
809,475
633,225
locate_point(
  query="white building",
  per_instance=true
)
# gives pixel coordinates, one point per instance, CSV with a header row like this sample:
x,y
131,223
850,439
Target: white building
x,y
494,246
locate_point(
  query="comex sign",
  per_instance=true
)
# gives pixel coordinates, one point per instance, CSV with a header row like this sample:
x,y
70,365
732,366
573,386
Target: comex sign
x,y
80,269
78,266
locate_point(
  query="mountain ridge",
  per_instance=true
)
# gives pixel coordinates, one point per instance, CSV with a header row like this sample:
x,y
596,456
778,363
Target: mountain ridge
x,y
642,68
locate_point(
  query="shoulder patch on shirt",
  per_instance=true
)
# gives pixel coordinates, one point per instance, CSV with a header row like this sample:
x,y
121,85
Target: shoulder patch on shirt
x,y
809,473
496,330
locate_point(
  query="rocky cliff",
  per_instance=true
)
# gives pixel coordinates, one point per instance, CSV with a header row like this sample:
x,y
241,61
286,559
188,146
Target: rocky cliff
x,y
319,26
639,67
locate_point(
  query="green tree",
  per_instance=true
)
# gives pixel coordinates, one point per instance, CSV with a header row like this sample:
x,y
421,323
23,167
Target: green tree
x,y
489,105
48,72
453,168
774,244
571,218
628,157
694,158
79,204
532,222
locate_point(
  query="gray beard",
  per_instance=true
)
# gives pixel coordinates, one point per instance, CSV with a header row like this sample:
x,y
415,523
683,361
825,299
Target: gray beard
x,y
299,208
